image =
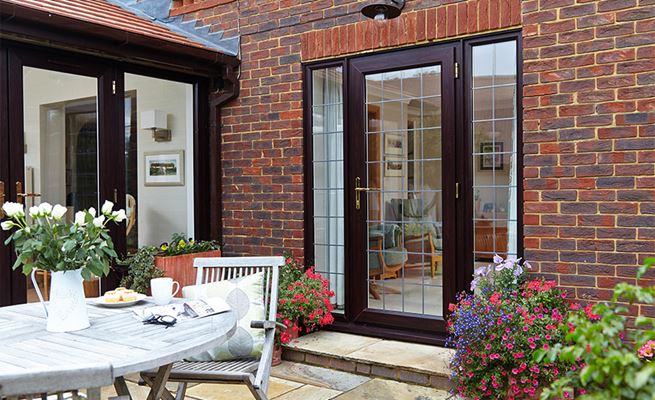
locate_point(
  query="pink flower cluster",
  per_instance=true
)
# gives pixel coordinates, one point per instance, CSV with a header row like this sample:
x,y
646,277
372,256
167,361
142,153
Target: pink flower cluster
x,y
647,351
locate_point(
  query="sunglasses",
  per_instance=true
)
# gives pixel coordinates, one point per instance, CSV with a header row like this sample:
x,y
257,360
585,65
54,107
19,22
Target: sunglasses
x,y
165,320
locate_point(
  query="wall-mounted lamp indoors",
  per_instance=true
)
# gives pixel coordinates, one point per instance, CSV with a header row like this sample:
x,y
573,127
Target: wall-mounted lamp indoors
x,y
156,121
382,10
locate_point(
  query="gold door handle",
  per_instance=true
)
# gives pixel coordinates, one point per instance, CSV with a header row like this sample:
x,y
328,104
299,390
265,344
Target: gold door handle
x,y
20,196
358,190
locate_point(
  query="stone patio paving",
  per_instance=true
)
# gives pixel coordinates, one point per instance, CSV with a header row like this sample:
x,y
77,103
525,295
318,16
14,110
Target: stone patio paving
x,y
294,381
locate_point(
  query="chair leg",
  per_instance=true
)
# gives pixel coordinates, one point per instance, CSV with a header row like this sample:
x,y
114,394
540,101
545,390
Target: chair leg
x,y
181,391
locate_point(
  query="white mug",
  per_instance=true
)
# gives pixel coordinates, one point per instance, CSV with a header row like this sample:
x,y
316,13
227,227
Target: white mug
x,y
162,290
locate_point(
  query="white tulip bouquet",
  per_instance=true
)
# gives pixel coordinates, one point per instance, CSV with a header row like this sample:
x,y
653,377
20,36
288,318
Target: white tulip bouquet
x,y
48,242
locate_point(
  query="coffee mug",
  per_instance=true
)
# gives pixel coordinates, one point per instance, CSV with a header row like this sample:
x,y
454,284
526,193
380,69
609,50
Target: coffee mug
x,y
162,290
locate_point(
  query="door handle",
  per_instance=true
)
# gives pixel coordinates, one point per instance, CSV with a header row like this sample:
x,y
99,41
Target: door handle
x,y
2,198
20,196
358,190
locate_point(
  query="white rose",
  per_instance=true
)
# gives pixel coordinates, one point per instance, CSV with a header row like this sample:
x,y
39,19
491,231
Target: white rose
x,y
34,212
80,218
119,216
92,211
45,209
98,222
7,225
13,209
58,211
107,207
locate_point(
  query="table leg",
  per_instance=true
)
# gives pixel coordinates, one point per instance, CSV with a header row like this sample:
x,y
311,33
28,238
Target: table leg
x,y
159,384
121,387
165,395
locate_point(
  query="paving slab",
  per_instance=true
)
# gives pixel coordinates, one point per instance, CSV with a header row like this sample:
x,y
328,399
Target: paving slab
x,y
309,392
207,391
409,356
332,343
318,376
382,389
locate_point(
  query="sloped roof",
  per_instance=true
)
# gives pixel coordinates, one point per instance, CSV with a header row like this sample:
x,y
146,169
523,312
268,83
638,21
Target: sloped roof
x,y
143,18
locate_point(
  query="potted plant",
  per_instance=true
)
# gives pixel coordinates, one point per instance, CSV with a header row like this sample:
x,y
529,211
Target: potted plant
x,y
141,269
70,252
176,257
497,330
303,302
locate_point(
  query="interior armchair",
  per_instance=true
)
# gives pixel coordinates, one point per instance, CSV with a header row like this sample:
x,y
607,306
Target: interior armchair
x,y
422,231
386,257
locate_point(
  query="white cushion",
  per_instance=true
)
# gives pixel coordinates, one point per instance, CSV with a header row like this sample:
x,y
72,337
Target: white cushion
x,y
246,298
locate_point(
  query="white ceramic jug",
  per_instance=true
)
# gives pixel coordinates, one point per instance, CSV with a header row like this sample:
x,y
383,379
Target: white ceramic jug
x,y
66,308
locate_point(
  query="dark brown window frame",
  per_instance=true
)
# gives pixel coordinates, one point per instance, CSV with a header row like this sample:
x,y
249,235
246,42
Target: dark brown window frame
x,y
463,55
206,131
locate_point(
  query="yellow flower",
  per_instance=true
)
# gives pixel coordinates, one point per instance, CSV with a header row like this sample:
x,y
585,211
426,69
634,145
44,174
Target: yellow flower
x,y
164,246
181,243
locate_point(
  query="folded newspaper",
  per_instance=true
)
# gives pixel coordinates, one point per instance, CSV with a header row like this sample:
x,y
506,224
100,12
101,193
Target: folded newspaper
x,y
187,310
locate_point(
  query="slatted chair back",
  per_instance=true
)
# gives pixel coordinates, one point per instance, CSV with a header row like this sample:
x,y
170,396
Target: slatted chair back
x,y
214,269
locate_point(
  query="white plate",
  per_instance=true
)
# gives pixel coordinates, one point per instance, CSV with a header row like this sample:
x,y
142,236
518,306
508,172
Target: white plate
x,y
101,302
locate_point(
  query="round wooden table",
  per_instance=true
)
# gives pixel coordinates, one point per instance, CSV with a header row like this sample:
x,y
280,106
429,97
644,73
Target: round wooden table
x,y
46,361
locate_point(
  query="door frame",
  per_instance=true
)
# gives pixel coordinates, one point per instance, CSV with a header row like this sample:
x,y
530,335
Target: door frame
x,y
110,100
358,311
108,171
463,146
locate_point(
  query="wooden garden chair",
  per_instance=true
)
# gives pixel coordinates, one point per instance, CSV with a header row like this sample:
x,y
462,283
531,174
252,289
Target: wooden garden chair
x,y
254,373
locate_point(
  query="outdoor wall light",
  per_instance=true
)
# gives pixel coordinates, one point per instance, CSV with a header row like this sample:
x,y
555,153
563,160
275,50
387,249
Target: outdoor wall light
x,y
156,121
380,11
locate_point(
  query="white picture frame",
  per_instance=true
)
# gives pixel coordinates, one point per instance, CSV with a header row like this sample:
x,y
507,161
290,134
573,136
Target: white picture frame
x,y
163,168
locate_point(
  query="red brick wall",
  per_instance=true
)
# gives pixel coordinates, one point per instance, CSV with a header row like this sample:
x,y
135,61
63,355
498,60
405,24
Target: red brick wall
x,y
262,132
588,121
589,134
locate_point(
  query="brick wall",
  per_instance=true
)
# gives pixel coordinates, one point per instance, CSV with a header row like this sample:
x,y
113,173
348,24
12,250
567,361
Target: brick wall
x,y
262,132
588,121
589,134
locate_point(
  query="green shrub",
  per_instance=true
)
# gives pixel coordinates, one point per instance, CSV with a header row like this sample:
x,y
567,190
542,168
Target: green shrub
x,y
603,352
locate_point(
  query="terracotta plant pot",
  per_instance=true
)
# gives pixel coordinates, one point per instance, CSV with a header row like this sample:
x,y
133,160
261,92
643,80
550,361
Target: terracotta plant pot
x,y
180,268
277,350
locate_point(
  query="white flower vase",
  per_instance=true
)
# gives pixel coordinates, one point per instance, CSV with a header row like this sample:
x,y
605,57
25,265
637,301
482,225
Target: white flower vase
x,y
66,308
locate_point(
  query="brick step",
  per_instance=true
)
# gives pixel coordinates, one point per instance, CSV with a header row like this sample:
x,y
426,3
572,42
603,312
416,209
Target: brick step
x,y
405,362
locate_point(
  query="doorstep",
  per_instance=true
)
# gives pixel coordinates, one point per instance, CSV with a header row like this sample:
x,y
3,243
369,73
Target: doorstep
x,y
405,362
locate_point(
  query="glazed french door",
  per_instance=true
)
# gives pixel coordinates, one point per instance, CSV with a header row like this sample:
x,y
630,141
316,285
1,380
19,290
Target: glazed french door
x,y
401,188
57,146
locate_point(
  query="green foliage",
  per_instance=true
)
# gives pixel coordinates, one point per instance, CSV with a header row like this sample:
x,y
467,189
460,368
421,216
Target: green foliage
x,y
179,244
47,242
141,269
606,352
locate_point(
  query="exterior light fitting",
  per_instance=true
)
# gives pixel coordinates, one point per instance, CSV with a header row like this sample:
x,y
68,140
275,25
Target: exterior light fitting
x,y
383,10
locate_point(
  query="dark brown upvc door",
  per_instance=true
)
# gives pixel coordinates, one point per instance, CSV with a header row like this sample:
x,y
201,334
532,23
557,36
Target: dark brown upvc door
x,y
401,188
61,115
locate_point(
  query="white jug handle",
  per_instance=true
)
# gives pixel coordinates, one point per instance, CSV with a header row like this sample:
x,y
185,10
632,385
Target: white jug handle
x,y
38,291
177,289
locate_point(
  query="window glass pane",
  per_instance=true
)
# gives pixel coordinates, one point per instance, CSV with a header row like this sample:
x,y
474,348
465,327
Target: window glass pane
x,y
494,103
404,205
60,128
327,137
159,173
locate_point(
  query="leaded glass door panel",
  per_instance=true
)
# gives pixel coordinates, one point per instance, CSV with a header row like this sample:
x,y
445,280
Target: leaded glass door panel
x,y
403,187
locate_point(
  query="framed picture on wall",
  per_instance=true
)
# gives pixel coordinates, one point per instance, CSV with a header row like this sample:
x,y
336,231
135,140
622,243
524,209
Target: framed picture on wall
x,y
490,159
393,166
393,144
164,168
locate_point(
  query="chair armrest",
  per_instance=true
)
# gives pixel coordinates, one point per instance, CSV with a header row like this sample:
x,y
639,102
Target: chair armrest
x,y
266,325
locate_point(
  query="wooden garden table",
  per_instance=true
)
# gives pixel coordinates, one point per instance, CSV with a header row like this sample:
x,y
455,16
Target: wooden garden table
x,y
116,344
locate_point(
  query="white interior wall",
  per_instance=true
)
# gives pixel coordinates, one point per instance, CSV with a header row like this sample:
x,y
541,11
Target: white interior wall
x,y
162,210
